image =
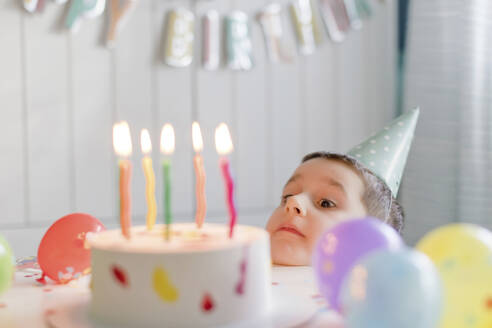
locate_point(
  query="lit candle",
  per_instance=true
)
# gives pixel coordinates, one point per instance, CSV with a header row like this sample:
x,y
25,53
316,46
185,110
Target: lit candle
x,y
167,148
201,203
223,144
146,145
122,144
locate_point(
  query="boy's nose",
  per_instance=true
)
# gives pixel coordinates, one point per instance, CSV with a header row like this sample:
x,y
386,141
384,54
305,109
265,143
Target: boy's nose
x,y
296,205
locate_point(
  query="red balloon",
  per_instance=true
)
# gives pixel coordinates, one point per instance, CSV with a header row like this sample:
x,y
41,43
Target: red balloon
x,y
63,253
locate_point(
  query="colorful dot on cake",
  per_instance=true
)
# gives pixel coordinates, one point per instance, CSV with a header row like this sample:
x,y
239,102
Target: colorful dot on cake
x,y
120,276
207,303
163,286
3,305
242,275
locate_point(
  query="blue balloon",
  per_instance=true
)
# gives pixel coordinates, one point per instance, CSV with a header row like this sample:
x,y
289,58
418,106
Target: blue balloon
x,y
392,289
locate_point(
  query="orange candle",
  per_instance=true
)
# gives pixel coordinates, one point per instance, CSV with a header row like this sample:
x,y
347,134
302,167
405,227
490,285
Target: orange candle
x,y
149,179
201,203
123,147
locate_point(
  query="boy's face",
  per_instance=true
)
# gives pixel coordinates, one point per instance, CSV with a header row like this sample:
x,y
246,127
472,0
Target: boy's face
x,y
320,193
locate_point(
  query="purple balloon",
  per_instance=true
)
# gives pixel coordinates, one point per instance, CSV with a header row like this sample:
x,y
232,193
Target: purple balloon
x,y
340,247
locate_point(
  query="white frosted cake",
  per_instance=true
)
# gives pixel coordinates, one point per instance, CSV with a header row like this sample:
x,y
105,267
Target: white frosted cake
x,y
200,278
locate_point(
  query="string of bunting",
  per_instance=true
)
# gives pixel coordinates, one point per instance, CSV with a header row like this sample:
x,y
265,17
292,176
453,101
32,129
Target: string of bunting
x,y
337,16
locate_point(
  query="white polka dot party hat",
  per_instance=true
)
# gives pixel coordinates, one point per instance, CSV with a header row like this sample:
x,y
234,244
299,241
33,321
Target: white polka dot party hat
x,y
385,153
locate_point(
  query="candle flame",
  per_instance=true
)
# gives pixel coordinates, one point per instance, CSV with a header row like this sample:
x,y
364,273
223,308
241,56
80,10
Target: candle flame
x,y
223,141
196,134
167,139
122,140
145,142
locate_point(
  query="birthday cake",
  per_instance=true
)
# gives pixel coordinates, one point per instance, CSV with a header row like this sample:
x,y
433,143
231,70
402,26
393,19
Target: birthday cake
x,y
196,278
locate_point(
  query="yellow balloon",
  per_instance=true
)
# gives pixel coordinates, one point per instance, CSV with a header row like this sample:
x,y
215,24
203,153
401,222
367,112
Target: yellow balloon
x,y
463,255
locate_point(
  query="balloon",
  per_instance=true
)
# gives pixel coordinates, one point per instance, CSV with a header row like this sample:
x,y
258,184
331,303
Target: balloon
x,y
63,253
462,254
389,289
6,265
341,246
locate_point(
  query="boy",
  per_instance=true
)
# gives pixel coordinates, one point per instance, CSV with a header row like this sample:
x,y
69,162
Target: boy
x,y
329,188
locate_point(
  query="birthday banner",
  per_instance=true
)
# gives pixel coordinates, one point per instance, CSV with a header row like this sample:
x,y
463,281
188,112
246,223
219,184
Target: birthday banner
x,y
338,17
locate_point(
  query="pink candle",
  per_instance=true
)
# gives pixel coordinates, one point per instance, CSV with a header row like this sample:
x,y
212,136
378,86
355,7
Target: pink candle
x,y
223,144
229,184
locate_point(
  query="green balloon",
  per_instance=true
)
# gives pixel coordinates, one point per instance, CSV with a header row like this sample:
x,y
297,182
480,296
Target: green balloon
x,y
6,265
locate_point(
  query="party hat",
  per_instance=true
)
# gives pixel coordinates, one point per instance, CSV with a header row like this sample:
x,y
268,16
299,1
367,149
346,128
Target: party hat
x,y
385,153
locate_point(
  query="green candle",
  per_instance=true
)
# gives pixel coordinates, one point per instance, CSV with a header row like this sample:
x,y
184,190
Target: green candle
x,y
167,148
166,168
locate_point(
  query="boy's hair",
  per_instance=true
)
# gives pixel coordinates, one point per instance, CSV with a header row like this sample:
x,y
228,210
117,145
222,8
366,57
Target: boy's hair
x,y
377,197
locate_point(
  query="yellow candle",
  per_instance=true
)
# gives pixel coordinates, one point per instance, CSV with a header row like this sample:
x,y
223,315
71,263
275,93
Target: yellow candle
x,y
149,179
122,144
201,203
125,198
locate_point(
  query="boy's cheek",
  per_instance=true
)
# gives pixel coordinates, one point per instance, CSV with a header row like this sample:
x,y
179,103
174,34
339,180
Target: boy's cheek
x,y
274,221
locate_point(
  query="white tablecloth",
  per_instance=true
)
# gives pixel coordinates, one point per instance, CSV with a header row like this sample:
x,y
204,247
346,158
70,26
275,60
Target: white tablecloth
x,y
31,304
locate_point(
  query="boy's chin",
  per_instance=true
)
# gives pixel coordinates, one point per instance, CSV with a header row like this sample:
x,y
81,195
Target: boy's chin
x,y
289,252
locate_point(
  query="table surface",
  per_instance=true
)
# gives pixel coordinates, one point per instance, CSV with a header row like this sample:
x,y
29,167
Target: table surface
x,y
30,304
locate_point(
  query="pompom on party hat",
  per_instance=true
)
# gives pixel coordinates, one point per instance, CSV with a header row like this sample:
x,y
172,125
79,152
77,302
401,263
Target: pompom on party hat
x,y
385,153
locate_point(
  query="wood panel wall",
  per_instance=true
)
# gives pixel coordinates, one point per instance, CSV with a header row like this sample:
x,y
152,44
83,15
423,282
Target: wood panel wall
x,y
60,93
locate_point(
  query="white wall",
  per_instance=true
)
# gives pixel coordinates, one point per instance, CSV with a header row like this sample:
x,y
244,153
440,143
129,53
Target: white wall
x,y
61,93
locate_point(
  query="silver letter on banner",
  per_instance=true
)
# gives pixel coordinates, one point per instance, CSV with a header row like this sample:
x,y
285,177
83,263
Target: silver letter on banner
x,y
305,25
271,22
238,42
179,38
211,41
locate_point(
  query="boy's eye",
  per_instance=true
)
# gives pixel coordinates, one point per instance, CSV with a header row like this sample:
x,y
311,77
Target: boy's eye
x,y
326,203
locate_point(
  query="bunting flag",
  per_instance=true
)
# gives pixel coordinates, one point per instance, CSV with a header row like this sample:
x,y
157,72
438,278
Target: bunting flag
x,y
305,25
120,10
81,9
211,41
179,40
238,41
338,17
270,19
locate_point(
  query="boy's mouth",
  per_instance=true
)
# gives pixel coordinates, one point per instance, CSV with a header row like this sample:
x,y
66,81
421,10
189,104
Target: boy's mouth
x,y
290,228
